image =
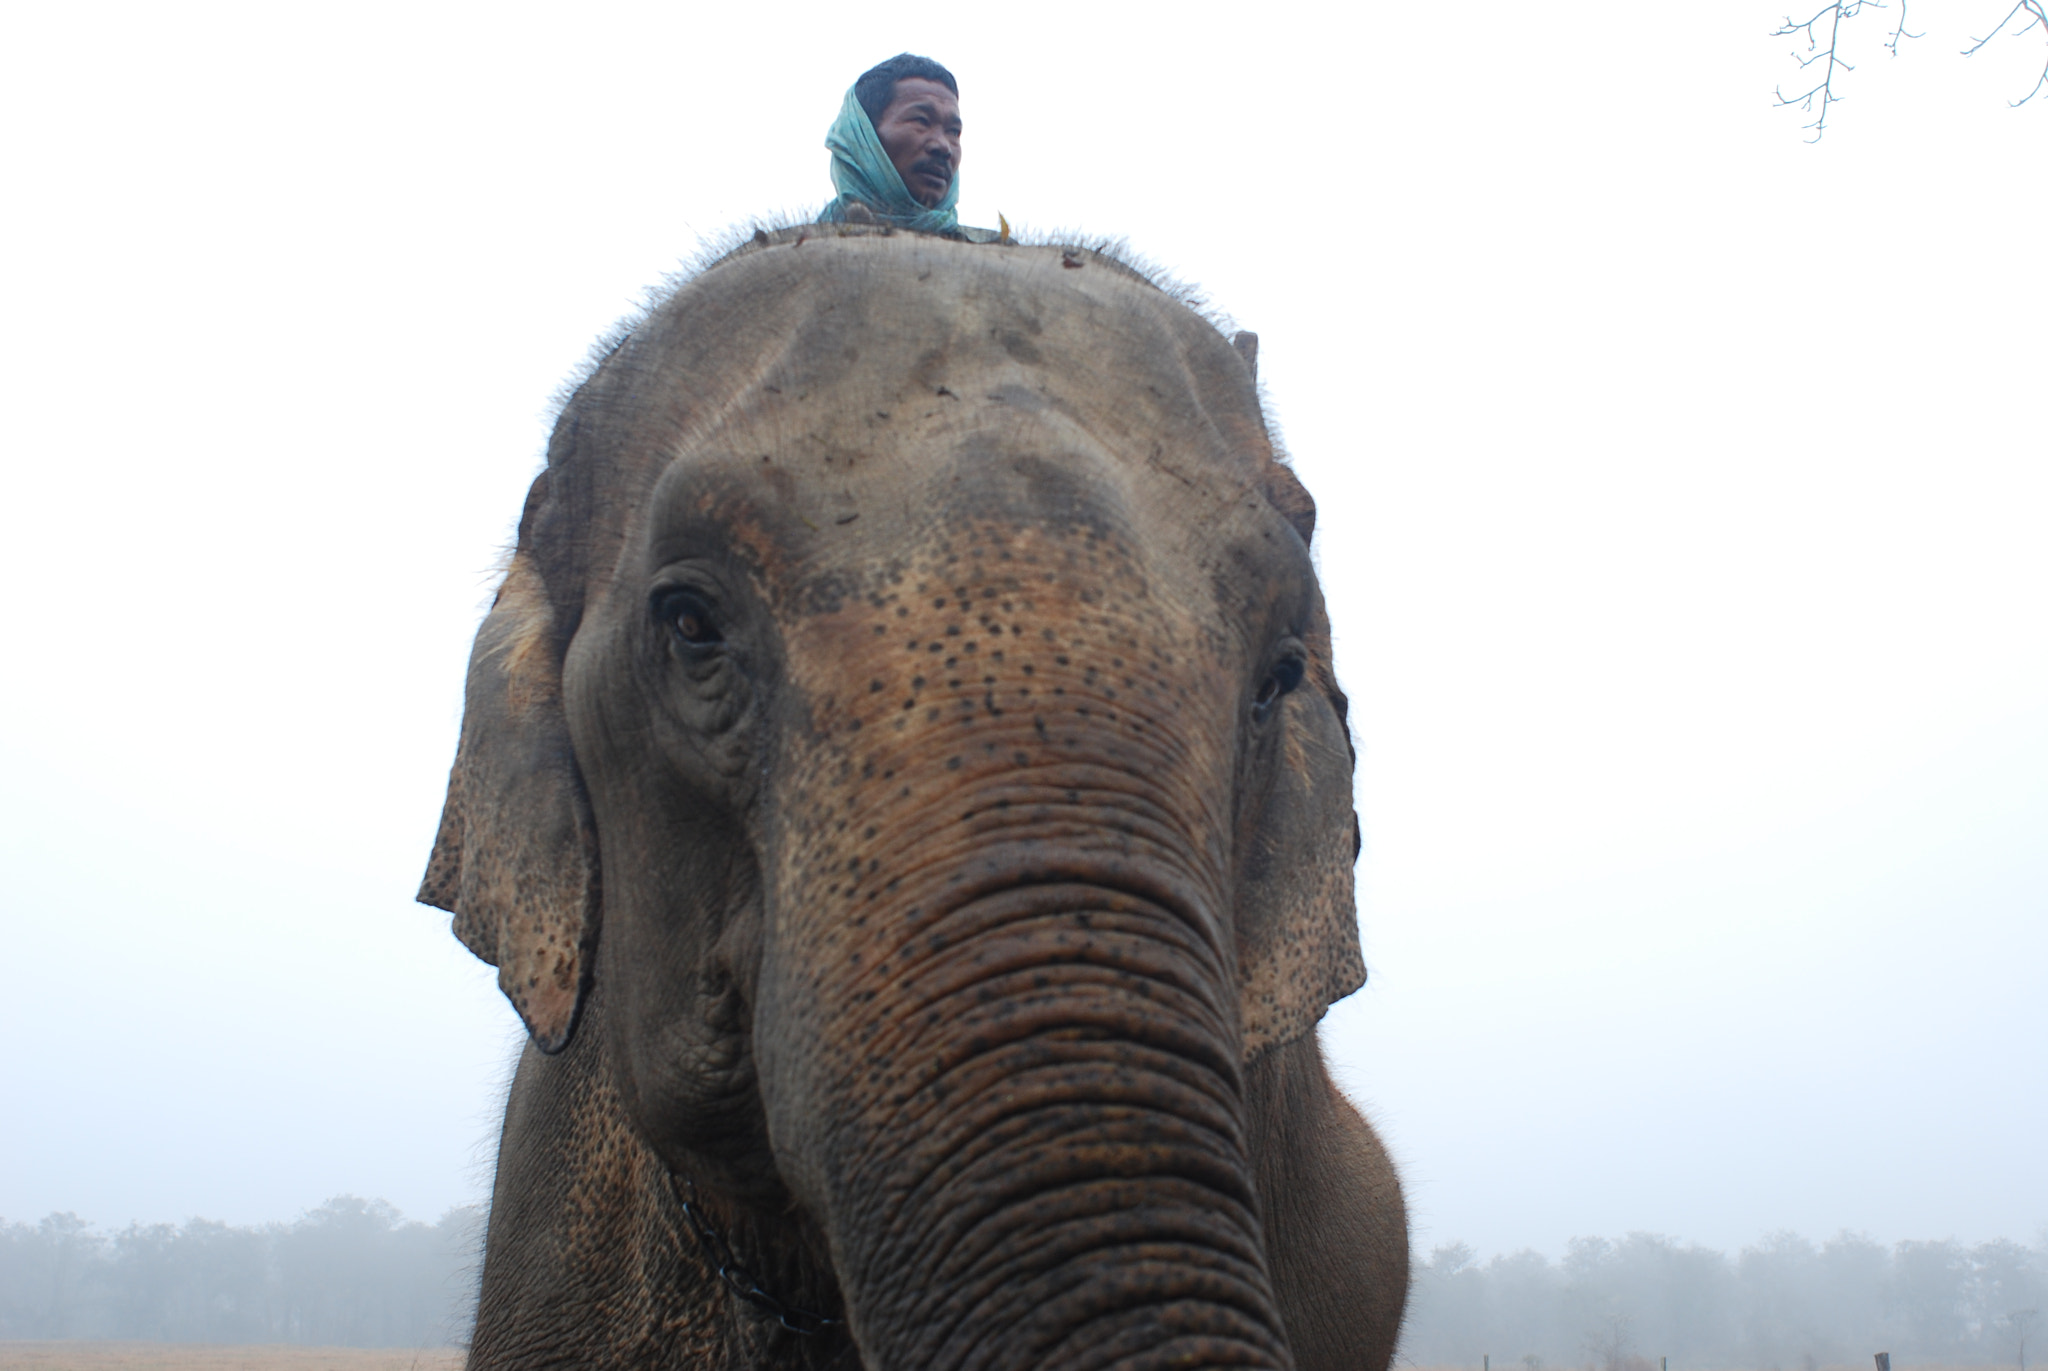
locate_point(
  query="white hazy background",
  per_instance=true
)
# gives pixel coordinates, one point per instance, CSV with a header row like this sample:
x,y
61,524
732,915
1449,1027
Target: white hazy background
x,y
1684,500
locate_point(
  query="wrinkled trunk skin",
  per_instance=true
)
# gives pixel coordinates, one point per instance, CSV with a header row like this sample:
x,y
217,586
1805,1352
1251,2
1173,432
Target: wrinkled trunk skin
x,y
996,1022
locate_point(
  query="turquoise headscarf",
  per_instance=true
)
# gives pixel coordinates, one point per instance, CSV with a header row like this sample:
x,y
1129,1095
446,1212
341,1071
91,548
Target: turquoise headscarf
x,y
862,171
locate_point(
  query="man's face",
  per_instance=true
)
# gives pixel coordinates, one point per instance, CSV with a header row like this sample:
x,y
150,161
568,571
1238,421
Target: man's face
x,y
920,130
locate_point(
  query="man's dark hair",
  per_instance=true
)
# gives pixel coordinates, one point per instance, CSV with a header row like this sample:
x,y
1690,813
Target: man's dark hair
x,y
877,85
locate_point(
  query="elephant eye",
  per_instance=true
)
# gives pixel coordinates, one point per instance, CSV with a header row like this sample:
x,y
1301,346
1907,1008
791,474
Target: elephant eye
x,y
689,618
1282,679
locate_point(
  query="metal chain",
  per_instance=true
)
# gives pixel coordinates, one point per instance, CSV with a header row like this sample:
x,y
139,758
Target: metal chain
x,y
739,1279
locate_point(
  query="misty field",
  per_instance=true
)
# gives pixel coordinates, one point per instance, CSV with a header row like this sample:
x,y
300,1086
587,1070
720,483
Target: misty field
x,y
165,1356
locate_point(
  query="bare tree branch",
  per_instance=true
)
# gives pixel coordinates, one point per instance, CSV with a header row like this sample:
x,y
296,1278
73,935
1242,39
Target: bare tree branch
x,y
1834,13
2036,14
1818,97
1900,32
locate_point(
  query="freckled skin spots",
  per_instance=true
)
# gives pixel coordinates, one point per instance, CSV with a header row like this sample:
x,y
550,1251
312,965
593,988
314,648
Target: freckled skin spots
x,y
948,890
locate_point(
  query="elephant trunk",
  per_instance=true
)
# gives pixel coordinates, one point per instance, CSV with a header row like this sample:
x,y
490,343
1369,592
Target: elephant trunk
x,y
998,1026
1061,1180
1051,1169
1011,1046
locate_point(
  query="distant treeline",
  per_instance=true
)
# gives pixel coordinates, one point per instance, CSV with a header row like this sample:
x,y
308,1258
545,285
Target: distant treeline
x,y
1784,1303
352,1273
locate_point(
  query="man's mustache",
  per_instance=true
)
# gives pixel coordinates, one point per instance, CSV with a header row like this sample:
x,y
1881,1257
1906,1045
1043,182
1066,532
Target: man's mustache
x,y
934,164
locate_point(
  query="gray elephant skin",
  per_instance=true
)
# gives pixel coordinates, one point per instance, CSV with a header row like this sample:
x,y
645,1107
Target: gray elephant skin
x,y
905,792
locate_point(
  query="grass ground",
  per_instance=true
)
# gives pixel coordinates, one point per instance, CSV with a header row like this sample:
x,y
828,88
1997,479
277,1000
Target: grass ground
x,y
161,1356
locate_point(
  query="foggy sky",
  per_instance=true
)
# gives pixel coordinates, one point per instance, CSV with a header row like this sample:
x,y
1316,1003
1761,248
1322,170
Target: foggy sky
x,y
1682,498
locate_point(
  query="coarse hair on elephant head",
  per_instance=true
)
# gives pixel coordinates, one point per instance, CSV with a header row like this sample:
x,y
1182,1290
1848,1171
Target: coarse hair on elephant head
x,y
912,665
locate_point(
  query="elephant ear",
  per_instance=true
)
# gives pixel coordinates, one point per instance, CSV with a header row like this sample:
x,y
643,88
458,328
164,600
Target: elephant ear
x,y
1297,927
516,858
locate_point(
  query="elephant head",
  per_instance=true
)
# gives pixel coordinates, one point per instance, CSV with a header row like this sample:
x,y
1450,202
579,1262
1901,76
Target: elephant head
x,y
903,768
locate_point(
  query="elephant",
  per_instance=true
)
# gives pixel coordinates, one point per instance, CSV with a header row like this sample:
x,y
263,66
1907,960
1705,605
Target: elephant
x,y
904,789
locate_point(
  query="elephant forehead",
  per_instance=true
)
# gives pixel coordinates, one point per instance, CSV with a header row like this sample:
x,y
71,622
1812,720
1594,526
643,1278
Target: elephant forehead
x,y
998,651
822,523
824,386
912,317
980,601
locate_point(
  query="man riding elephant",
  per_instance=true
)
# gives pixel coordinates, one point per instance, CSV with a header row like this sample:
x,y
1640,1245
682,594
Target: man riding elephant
x,y
896,150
